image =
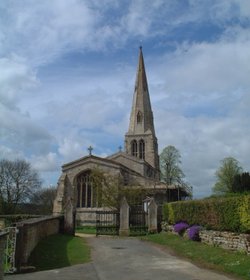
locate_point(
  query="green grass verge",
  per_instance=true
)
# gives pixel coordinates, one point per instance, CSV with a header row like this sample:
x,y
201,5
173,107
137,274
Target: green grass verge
x,y
206,255
86,229
59,251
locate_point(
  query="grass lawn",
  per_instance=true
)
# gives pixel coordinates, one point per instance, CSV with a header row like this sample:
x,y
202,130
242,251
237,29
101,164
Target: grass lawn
x,y
205,255
58,251
86,229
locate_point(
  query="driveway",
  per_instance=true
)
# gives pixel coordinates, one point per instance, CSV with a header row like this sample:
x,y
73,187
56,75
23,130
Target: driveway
x,y
116,258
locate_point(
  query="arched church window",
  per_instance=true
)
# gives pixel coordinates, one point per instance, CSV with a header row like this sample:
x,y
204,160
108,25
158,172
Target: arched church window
x,y
134,150
86,196
141,149
139,117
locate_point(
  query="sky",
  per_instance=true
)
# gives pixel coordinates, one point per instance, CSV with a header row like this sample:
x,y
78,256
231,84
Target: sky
x,y
67,75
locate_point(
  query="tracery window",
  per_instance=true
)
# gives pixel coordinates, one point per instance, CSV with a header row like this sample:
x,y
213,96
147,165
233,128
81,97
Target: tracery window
x,y
134,148
86,195
141,149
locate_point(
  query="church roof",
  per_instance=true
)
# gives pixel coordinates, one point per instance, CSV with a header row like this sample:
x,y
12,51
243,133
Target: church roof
x,y
98,161
82,160
131,159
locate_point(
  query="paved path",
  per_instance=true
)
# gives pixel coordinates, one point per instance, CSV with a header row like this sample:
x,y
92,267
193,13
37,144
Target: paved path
x,y
126,259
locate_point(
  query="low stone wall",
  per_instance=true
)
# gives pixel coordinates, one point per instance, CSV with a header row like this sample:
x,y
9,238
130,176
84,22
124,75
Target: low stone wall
x,y
226,240
3,237
30,232
87,216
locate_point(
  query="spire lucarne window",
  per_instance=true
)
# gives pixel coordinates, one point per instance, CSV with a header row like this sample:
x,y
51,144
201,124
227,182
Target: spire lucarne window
x,y
139,117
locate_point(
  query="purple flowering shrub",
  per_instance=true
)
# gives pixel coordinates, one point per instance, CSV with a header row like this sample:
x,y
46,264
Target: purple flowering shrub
x,y
180,227
193,233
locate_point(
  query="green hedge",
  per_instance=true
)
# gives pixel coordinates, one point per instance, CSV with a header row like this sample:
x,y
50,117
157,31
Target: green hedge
x,y
222,213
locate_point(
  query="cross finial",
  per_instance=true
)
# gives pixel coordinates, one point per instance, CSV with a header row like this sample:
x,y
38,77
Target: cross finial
x,y
120,148
90,149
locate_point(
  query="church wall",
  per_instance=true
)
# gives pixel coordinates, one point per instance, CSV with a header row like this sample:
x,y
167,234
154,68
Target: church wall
x,y
67,188
87,216
73,172
60,195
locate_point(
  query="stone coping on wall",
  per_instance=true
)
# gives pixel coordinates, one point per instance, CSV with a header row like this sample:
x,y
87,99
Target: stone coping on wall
x,y
227,240
38,220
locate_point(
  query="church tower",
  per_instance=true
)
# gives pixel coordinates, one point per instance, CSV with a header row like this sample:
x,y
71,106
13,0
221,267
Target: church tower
x,y
140,140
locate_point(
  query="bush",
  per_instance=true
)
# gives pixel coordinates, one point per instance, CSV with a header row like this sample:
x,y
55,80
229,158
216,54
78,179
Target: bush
x,y
180,227
244,212
219,213
193,233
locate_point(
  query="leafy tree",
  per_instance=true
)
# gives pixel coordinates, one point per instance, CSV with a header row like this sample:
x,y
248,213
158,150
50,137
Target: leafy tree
x,y
230,167
170,160
18,181
172,174
44,199
110,189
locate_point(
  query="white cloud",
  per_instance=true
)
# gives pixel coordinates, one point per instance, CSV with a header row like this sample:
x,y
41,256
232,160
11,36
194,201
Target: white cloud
x,y
19,130
45,163
10,154
71,149
208,68
44,30
244,7
16,79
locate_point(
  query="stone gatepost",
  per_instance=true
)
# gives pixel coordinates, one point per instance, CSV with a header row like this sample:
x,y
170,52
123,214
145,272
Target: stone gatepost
x,y
124,218
69,218
152,216
69,209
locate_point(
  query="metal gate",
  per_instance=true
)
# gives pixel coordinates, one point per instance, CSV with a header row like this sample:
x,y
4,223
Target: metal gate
x,y
137,221
107,222
10,250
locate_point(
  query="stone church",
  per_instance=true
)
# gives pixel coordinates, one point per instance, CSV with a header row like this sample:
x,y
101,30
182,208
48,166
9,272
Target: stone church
x,y
139,162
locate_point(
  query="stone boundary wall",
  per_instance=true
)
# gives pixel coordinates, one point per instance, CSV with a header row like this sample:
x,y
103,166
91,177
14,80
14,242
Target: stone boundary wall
x,y
3,237
226,240
31,231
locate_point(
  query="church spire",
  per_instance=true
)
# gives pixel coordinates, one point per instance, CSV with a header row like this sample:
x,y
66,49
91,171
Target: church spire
x,y
140,140
141,118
